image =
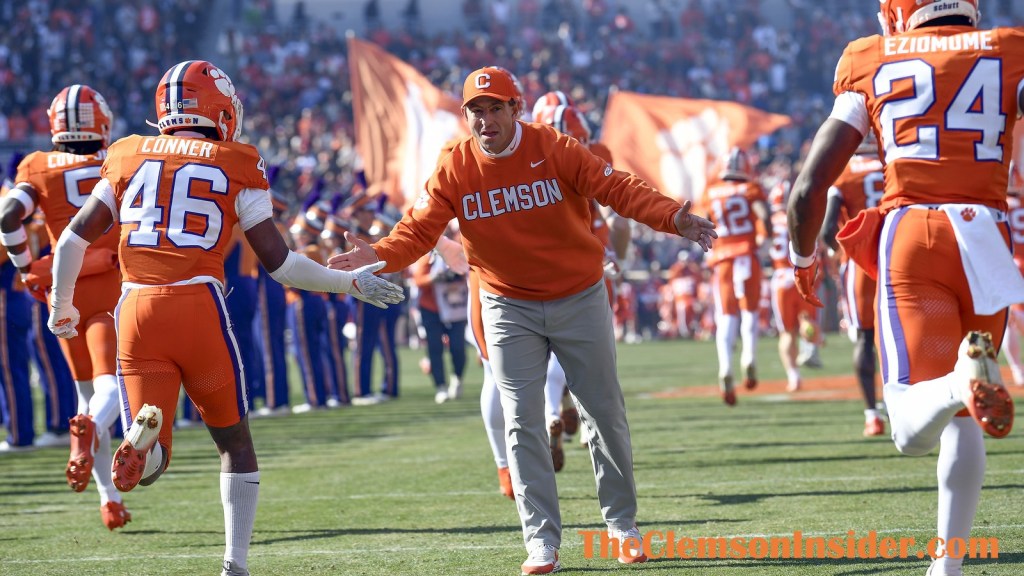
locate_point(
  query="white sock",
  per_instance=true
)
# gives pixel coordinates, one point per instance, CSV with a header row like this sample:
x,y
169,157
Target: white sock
x,y
793,375
725,337
239,494
918,414
748,337
494,418
153,461
961,471
103,459
870,414
85,391
554,387
105,404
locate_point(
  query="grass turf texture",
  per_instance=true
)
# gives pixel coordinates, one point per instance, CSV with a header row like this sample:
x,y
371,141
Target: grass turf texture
x,y
409,488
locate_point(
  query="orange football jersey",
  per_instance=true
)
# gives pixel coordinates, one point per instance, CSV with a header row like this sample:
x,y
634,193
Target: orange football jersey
x,y
176,203
525,218
943,102
861,185
729,205
779,249
63,183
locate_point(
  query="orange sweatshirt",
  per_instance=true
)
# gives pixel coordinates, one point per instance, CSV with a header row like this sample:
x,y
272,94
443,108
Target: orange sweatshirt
x,y
525,217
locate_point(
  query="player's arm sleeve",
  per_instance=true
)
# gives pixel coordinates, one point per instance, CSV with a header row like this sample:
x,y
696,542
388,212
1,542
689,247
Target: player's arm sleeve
x,y
418,230
67,265
625,193
104,192
298,271
851,108
850,105
253,206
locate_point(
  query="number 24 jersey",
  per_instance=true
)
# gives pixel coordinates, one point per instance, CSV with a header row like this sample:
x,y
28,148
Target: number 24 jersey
x,y
943,101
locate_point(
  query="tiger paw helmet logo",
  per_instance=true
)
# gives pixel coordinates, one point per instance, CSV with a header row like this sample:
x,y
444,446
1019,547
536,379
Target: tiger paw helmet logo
x,y
968,214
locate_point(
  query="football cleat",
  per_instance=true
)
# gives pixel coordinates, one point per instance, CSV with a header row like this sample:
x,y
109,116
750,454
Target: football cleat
x,y
543,559
728,391
114,515
505,483
750,382
555,442
232,569
874,427
83,446
130,458
982,392
570,420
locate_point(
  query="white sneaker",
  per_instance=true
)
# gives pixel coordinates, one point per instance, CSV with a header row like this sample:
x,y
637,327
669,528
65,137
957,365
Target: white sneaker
x,y
633,554
441,396
333,402
232,569
49,440
543,559
455,388
302,408
934,570
6,446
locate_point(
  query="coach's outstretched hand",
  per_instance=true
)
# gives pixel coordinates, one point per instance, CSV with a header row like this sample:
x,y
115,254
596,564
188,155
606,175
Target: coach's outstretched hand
x,y
362,254
695,228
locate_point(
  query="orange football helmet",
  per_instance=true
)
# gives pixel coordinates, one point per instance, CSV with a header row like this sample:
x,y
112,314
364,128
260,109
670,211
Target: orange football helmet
x,y
548,101
899,16
196,93
737,166
79,114
567,120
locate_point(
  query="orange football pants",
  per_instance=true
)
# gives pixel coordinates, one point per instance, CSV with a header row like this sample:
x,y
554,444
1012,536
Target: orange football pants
x,y
925,306
787,305
727,300
94,351
173,336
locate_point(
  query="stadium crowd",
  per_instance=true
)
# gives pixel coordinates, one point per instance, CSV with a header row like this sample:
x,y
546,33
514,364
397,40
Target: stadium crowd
x,y
291,69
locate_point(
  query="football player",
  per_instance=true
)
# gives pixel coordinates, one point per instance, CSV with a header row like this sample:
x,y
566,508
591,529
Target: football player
x,y
737,205
57,183
176,197
942,96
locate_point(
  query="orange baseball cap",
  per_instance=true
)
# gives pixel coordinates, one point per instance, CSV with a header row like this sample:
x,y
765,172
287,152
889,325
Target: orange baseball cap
x,y
489,81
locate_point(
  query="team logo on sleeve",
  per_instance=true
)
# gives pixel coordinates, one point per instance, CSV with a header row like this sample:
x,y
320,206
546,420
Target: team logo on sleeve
x,y
421,201
607,169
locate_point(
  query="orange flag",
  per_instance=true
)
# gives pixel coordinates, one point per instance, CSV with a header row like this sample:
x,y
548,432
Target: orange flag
x,y
675,144
401,121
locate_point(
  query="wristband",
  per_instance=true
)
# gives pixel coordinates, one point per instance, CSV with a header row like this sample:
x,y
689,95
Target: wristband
x,y
21,196
798,260
21,259
19,236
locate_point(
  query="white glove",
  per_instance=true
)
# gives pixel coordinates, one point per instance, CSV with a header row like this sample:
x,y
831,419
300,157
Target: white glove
x,y
63,321
374,289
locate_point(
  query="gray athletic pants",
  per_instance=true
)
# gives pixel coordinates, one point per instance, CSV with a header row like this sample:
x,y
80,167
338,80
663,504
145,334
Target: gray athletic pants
x,y
578,329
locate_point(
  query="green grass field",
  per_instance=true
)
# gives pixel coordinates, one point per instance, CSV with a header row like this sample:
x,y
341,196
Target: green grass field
x,y
409,488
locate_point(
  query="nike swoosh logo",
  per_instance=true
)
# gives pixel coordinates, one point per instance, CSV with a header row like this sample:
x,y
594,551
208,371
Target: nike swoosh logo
x,y
537,163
